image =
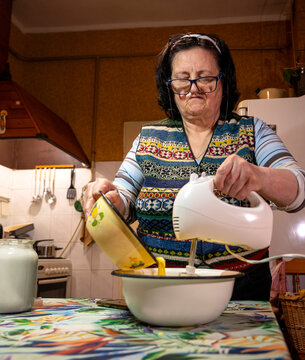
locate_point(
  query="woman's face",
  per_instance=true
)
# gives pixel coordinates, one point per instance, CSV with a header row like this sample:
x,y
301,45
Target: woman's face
x,y
191,64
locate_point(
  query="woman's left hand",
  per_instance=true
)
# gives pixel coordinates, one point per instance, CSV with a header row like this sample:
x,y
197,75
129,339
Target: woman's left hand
x,y
236,177
92,193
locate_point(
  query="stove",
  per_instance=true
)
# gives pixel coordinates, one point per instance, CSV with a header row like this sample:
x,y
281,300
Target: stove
x,y
54,277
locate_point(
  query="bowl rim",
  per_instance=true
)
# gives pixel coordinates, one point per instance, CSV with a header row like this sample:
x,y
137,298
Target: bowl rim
x,y
127,225
228,274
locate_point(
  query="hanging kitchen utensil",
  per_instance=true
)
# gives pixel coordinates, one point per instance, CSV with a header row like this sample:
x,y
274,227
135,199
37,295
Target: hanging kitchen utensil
x,y
48,190
52,197
34,198
38,197
71,193
44,192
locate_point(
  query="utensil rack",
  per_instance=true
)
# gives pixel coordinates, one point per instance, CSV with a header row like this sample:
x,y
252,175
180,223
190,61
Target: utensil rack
x,y
54,166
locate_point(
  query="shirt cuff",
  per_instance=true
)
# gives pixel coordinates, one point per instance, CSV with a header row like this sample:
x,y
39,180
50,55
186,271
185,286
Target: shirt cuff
x,y
299,200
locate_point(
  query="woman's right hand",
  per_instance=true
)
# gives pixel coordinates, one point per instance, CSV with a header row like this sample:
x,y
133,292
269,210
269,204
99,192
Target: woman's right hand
x,y
92,193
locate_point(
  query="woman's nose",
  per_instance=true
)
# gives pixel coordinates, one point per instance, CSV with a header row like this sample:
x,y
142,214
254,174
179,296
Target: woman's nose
x,y
194,88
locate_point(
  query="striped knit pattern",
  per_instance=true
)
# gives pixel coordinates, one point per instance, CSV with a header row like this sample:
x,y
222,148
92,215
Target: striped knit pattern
x,y
167,162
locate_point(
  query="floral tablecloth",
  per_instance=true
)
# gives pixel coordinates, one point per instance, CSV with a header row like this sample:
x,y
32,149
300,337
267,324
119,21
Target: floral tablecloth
x,y
79,329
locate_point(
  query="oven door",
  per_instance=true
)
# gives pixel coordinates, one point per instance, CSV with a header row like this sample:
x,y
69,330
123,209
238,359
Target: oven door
x,y
54,287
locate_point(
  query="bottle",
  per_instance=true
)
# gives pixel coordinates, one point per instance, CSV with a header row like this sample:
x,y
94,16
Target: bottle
x,y
18,275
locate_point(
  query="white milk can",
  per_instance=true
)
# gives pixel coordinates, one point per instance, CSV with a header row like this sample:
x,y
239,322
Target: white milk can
x,y
18,275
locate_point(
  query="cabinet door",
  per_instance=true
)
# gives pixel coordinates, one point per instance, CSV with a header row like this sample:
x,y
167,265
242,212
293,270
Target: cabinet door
x,y
5,25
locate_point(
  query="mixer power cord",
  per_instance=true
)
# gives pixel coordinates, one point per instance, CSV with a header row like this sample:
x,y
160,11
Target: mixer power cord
x,y
241,258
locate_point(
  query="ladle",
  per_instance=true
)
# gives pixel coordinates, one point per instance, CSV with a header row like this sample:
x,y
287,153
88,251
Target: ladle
x,y
38,197
52,197
48,189
34,198
44,192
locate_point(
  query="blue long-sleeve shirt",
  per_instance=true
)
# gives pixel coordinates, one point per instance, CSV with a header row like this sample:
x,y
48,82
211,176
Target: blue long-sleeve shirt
x,y
269,150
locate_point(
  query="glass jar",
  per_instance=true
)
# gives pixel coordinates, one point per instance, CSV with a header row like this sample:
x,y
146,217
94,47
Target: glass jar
x,y
18,275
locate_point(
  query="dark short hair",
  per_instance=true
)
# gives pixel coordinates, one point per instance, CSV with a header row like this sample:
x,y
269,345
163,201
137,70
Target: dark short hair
x,y
223,58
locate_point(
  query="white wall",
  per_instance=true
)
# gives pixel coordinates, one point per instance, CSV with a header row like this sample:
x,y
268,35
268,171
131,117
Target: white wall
x,y
6,176
91,268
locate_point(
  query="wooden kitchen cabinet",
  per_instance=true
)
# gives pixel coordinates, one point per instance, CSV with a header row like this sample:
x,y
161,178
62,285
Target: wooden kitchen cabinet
x,y
5,21
98,107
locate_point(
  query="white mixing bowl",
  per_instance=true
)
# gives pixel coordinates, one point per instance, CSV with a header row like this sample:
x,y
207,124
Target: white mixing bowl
x,y
175,299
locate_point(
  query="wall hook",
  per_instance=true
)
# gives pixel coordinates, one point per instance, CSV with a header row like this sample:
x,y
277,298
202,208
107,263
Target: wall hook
x,y
3,115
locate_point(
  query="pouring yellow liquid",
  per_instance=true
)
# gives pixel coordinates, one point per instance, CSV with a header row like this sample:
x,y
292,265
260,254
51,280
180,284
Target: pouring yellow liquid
x,y
161,266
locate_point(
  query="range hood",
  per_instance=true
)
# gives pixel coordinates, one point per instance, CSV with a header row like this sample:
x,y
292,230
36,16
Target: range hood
x,y
31,134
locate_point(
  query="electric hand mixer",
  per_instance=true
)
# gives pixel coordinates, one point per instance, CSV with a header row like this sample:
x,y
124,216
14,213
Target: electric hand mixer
x,y
199,214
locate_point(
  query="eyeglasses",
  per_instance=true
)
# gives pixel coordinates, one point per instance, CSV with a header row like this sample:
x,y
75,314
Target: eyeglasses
x,y
205,84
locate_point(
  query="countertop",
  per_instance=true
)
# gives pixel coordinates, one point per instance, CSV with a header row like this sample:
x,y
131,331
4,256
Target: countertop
x,y
80,329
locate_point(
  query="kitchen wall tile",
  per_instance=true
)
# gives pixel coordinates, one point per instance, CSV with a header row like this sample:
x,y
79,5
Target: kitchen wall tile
x,y
5,191
34,208
6,176
81,256
4,221
62,178
60,227
77,226
23,179
14,220
117,287
62,245
62,205
101,284
41,228
72,201
100,261
81,280
82,177
22,202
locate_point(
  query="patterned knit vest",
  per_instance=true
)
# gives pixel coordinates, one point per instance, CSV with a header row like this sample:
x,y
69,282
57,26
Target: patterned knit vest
x,y
167,162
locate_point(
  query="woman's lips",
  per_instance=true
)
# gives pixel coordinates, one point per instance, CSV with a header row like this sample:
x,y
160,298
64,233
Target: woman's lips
x,y
196,97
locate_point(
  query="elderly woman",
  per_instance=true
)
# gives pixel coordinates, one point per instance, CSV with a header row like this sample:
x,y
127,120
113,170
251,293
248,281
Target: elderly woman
x,y
197,90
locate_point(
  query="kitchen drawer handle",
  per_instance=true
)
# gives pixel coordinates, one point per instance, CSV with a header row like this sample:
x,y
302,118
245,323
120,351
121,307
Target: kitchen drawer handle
x,y
52,281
